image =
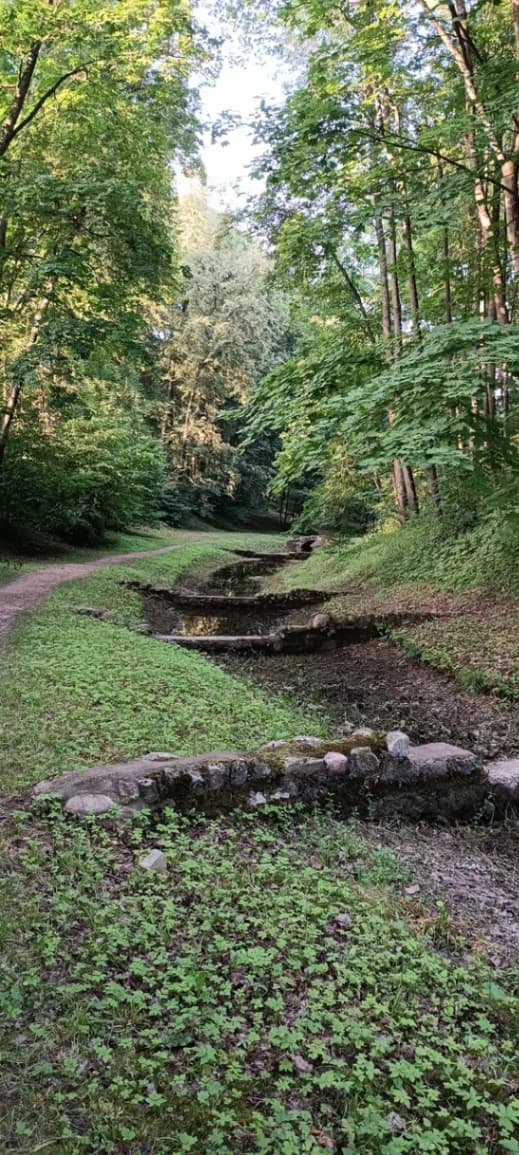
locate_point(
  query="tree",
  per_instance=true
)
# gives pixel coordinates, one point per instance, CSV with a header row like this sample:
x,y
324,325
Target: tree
x,y
225,331
391,200
96,106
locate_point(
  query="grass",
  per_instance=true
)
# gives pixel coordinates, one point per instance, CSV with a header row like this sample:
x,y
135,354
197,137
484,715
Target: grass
x,y
275,992
137,541
77,691
469,579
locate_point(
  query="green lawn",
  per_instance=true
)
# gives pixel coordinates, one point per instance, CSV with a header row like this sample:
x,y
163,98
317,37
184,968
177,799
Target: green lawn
x,y
76,691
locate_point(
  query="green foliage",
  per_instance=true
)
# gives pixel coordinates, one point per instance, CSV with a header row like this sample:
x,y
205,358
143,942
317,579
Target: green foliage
x,y
87,247
89,474
77,691
385,169
484,557
226,329
223,1007
332,507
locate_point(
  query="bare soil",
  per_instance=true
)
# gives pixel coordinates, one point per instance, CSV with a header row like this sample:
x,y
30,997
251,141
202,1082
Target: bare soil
x,y
473,871
376,684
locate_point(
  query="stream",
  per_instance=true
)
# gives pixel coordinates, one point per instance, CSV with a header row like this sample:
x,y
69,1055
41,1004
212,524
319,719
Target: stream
x,y
374,683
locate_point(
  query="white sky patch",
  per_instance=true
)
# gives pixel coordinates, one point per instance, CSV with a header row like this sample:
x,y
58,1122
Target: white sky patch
x,y
238,90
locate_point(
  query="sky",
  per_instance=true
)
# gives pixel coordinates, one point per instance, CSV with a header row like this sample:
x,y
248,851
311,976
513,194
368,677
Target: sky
x,y
239,89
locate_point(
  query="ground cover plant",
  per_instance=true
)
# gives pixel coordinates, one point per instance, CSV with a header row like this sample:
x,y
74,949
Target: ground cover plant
x,y
276,992
77,691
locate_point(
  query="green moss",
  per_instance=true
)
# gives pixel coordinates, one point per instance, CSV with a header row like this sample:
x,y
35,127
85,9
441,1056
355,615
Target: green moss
x,y
292,749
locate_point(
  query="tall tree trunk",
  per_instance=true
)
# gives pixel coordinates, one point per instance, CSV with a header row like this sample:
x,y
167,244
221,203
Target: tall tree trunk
x,y
396,304
433,486
433,482
410,489
461,47
399,490
509,171
13,400
447,294
411,274
384,284
397,475
407,473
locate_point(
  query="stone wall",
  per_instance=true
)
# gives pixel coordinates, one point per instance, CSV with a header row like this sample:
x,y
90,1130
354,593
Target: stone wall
x,y
381,775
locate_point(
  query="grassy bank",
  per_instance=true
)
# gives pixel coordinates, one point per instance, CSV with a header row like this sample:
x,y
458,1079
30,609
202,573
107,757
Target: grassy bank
x,y
470,579
77,691
14,561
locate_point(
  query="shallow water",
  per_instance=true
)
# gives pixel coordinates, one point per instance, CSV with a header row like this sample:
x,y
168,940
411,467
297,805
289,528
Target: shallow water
x,y
242,577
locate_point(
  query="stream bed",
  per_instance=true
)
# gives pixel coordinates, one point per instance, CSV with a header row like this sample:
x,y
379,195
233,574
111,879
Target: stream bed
x,y
244,577
473,869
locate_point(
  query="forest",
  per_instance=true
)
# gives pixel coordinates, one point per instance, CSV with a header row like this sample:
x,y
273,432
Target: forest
x,y
344,352
259,580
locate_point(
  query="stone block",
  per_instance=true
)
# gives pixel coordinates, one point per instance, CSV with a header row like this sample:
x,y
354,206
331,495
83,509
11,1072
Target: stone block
x,y
239,773
503,778
336,763
155,860
148,790
440,760
262,771
127,791
85,804
320,622
257,799
197,780
398,743
302,767
364,734
217,776
363,763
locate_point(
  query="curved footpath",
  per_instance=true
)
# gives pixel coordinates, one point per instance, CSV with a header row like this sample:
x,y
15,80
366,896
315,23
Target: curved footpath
x,y
29,590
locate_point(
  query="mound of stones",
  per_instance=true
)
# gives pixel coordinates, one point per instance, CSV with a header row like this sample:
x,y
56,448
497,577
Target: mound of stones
x,y
379,774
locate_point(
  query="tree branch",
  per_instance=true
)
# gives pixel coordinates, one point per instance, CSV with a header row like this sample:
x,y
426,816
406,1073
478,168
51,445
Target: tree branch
x,y
409,146
25,76
353,290
46,96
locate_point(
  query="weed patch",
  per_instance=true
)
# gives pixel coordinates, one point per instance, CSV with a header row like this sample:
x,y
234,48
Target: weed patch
x,y
275,992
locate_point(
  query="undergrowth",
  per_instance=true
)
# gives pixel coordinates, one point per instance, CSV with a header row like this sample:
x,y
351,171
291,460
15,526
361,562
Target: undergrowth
x,y
470,579
424,551
275,992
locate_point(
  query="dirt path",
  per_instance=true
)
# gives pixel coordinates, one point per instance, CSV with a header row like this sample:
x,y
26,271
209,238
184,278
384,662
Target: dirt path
x,y
29,590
